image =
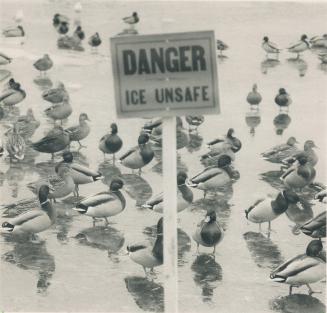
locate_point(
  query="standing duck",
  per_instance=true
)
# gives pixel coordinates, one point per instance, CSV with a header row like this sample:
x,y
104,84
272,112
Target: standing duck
x,y
81,131
95,41
300,46
307,151
43,64
59,111
63,28
15,144
111,143
228,138
34,221
184,196
132,20
319,41
56,95
303,269
146,255
79,34
283,99
16,31
267,209
269,47
27,124
104,204
13,95
316,227
221,46
4,59
58,19
208,232
139,156
254,97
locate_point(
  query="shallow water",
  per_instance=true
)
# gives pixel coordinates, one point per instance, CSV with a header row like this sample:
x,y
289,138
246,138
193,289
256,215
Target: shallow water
x,y
80,268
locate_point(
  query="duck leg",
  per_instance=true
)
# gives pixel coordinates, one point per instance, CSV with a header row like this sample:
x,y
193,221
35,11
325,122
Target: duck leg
x,y
113,159
80,145
104,157
260,227
76,191
94,220
197,248
204,194
269,226
290,290
107,222
140,171
312,291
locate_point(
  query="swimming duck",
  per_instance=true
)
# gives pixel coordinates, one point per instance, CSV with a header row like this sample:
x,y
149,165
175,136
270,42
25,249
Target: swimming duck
x,y
81,131
55,141
208,232
27,124
15,144
33,221
111,143
307,151
221,46
319,41
104,204
300,46
80,174
321,196
283,99
254,97
269,47
95,40
146,255
16,31
131,20
43,64
280,152
13,95
59,111
59,18
267,209
4,59
139,156
303,269
184,196
56,95
79,33
228,138
316,227
194,120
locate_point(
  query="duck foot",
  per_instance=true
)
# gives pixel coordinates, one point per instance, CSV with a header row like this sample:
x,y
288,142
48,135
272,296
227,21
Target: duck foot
x,y
81,146
106,221
312,291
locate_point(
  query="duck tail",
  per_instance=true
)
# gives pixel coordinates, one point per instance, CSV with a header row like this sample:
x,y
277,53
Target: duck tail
x,y
8,227
147,206
189,183
98,177
81,208
277,278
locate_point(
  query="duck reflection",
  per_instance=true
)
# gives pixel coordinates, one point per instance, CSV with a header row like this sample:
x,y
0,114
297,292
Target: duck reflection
x,y
299,64
263,251
15,175
108,171
253,119
297,303
268,64
33,257
281,122
207,274
10,114
148,295
43,83
195,142
323,67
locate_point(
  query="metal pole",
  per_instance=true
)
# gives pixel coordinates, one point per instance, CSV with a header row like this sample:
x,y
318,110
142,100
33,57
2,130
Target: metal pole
x,y
170,214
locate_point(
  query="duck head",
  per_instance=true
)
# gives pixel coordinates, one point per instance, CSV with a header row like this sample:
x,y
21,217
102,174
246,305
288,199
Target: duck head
x,y
143,139
314,248
254,87
43,193
116,184
224,160
83,117
210,216
309,144
230,133
282,91
291,141
114,128
68,157
134,14
290,196
304,39
181,178
265,39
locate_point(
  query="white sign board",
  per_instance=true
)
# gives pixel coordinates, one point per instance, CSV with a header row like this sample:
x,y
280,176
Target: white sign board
x,y
165,75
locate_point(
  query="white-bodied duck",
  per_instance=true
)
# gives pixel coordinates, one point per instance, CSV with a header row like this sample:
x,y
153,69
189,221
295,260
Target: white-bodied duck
x,y
13,95
319,41
43,64
270,47
300,46
111,143
132,20
303,269
316,227
81,131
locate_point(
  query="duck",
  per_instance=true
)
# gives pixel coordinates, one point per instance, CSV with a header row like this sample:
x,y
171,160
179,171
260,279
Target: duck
x,y
184,196
316,227
63,28
79,33
283,99
194,120
221,46
56,95
13,95
58,19
224,148
59,111
321,196
27,124
300,46
280,152
132,20
319,41
304,269
81,131
308,151
4,59
208,232
104,204
269,47
2,150
254,97
15,31
43,64
111,143
36,220
269,208
55,141
80,174
147,255
95,40
15,144
228,138
139,156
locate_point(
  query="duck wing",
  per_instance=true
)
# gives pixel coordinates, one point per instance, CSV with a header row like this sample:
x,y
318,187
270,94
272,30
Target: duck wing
x,y
45,142
295,45
98,199
213,142
128,153
7,94
26,217
73,130
316,222
206,174
85,170
154,201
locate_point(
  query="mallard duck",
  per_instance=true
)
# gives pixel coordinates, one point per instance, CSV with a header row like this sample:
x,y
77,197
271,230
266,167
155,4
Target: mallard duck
x,y
111,143
319,41
303,269
300,46
228,138
59,18
223,148
208,232
321,196
4,59
43,64
95,40
15,144
194,120
27,124
80,174
316,227
131,20
13,95
307,151
139,156
63,28
59,111
221,46
269,47
34,221
79,33
184,196
55,141
146,255
15,31
280,152
268,208
104,204
283,99
254,97
81,131
56,95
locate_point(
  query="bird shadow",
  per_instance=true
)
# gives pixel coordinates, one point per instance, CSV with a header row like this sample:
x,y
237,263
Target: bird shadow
x,y
299,64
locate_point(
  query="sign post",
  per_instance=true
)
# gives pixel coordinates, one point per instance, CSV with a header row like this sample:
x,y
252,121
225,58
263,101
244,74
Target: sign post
x,y
166,75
